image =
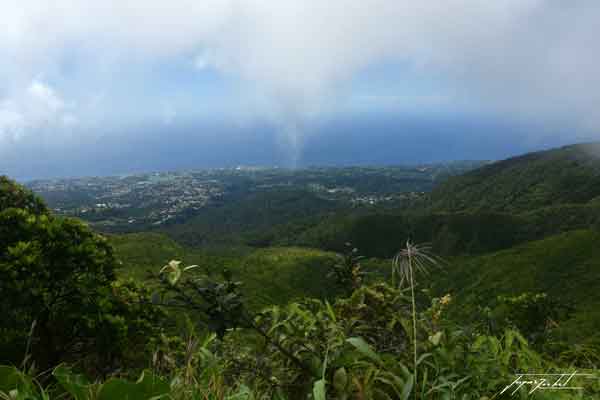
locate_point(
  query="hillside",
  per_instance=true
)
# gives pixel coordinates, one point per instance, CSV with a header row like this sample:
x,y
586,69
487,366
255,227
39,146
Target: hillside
x,y
275,275
566,175
495,207
244,219
566,267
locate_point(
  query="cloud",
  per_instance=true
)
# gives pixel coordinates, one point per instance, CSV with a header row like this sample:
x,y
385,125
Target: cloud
x,y
37,108
531,59
46,96
201,62
12,122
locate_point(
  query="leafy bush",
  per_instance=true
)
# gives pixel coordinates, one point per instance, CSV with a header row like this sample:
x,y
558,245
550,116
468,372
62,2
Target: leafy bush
x,y
60,300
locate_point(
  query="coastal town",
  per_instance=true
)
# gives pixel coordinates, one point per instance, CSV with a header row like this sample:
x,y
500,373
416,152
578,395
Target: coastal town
x,y
133,201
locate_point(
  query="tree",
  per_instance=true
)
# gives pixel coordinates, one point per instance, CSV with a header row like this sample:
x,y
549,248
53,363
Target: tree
x,y
55,275
16,196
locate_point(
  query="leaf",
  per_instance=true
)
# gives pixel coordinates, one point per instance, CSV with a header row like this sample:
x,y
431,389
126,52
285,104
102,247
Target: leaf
x,y
340,380
408,386
117,389
435,339
173,271
147,387
393,381
319,390
423,357
10,378
243,393
330,311
364,348
14,384
381,394
75,384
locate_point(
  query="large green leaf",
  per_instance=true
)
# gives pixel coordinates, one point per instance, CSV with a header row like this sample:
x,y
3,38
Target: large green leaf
x,y
319,390
340,380
10,378
408,386
16,385
364,348
147,387
75,384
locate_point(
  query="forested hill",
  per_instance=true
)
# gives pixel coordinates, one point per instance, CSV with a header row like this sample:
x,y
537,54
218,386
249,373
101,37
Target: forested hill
x,y
566,175
494,207
564,267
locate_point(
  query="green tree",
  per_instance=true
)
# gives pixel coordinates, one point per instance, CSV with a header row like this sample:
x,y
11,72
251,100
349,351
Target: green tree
x,y
55,275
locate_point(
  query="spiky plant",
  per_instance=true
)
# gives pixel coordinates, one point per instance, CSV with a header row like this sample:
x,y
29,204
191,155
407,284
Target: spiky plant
x,y
409,260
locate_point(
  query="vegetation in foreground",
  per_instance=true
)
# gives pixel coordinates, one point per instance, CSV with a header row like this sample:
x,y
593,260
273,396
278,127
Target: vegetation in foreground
x,y
358,347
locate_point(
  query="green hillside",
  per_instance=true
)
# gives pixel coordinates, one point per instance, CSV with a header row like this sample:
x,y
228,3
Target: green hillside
x,y
244,219
566,267
469,232
488,209
566,175
274,275
382,234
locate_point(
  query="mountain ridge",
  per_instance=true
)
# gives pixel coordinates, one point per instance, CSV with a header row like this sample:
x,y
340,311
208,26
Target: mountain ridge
x,y
564,175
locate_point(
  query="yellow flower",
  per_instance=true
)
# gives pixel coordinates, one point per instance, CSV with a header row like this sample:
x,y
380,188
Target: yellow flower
x,y
446,300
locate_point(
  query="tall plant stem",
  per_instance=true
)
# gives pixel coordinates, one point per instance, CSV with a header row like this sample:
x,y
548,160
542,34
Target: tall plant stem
x,y
408,261
414,316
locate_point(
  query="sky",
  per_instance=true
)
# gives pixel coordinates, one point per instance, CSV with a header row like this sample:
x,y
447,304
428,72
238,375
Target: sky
x,y
96,88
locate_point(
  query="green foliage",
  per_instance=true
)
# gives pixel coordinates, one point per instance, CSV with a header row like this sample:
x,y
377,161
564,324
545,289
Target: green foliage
x,y
353,349
568,175
13,195
278,275
291,272
218,304
357,349
347,272
139,251
488,209
148,386
53,271
18,385
456,233
535,314
60,298
245,219
564,267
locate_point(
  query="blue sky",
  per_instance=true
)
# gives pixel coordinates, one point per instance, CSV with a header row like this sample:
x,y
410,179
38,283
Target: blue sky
x,y
112,87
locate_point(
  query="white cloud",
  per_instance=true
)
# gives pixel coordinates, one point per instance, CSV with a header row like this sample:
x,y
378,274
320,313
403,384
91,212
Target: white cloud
x,y
12,122
201,61
46,96
536,59
38,107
